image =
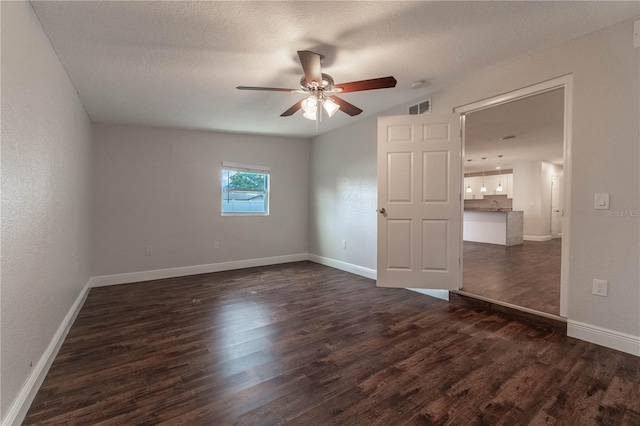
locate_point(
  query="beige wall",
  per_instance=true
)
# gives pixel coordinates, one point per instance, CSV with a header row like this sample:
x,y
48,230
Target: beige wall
x,y
46,196
606,154
161,188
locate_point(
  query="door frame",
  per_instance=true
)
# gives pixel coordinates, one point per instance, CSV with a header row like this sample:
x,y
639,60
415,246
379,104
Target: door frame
x,y
565,82
558,178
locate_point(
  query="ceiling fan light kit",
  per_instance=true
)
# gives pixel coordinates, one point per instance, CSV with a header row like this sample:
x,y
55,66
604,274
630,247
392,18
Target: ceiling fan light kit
x,y
321,89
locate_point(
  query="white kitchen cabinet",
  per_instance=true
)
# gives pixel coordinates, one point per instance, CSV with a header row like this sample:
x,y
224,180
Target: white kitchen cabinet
x,y
475,184
491,182
469,182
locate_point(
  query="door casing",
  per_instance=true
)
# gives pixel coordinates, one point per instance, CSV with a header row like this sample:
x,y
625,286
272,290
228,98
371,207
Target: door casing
x,y
565,82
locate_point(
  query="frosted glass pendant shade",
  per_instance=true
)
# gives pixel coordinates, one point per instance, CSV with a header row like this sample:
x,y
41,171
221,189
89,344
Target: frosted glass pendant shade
x,y
330,106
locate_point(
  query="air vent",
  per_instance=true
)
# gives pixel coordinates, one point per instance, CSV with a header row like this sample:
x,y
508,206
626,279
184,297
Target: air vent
x,y
421,107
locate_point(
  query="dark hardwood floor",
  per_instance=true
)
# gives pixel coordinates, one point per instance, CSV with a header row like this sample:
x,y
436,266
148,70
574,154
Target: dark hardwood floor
x,y
525,275
305,344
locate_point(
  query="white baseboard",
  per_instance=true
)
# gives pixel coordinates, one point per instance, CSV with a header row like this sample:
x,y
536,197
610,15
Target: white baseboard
x,y
536,237
158,274
438,294
604,337
371,274
344,266
20,406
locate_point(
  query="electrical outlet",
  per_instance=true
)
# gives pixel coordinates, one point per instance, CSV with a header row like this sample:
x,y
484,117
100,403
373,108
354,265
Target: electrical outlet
x,y
344,244
147,250
216,245
600,287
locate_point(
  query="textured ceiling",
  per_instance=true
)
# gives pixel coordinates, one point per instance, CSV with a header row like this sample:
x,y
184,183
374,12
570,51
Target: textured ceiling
x,y
536,122
176,64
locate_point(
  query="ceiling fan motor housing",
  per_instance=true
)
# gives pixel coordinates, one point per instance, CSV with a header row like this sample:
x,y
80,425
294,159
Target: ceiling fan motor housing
x,y
325,85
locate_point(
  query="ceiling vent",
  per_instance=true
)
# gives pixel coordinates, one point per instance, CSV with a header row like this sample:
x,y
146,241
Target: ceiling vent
x,y
421,107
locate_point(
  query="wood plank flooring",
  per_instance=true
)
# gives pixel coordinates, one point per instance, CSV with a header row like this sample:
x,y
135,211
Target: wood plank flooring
x,y
525,275
304,344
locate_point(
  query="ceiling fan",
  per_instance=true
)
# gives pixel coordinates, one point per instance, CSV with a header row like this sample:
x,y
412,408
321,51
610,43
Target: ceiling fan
x,y
321,89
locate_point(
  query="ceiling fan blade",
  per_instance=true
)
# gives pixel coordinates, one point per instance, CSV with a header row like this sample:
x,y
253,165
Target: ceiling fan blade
x,y
271,89
374,83
346,107
312,66
293,109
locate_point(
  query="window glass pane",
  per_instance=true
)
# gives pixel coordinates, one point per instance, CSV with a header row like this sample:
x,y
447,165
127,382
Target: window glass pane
x,y
245,192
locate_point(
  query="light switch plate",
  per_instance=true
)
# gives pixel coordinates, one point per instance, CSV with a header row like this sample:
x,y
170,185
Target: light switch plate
x,y
602,201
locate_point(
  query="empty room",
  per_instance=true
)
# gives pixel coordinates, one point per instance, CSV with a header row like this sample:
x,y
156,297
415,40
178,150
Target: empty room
x,y
394,213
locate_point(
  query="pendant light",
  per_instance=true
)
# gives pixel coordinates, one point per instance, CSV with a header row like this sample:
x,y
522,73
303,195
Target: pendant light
x,y
469,190
499,188
484,188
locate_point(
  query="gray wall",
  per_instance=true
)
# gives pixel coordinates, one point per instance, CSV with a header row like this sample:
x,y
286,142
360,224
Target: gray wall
x,y
46,196
161,188
606,154
344,194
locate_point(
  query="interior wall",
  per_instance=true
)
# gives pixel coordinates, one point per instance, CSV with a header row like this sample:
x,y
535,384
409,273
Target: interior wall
x,y
344,194
606,153
532,195
548,171
46,196
162,188
527,196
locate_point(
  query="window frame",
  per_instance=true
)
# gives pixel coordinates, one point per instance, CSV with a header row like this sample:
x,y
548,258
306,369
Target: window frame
x,y
246,168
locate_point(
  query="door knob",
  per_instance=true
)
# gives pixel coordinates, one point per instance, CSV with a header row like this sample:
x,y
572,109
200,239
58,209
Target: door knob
x,y
382,210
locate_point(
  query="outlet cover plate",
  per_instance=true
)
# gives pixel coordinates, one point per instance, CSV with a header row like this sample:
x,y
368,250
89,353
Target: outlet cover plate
x,y
600,287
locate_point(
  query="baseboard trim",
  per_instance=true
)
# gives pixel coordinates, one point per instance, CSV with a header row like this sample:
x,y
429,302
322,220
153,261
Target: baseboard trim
x,y
371,274
20,406
604,337
438,294
344,266
531,317
536,237
157,274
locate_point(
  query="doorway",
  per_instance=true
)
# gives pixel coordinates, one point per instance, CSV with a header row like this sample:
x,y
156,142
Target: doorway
x,y
516,198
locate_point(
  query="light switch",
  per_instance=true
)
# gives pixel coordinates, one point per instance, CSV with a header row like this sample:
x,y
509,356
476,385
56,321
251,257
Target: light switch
x,y
602,201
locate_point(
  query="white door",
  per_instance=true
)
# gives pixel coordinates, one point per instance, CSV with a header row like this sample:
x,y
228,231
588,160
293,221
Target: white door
x,y
556,210
419,198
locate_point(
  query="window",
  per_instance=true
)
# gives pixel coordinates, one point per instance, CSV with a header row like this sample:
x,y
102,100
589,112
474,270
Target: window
x,y
245,189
